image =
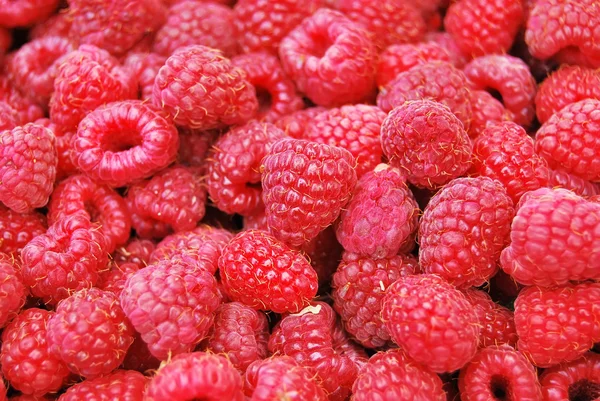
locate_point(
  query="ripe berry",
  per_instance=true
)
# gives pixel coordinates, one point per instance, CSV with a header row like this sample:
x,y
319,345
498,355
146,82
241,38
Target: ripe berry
x,y
136,251
497,322
562,179
12,290
17,229
27,110
145,67
25,13
114,280
487,111
294,125
124,384
194,146
573,380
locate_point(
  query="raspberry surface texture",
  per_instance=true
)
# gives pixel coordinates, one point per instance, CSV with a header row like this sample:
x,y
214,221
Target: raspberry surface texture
x,y
126,384
486,111
497,322
13,292
572,380
25,13
18,229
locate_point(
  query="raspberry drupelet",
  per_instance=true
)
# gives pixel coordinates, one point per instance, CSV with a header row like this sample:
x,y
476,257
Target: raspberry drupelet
x,y
124,384
13,292
562,179
17,229
25,13
487,111
579,379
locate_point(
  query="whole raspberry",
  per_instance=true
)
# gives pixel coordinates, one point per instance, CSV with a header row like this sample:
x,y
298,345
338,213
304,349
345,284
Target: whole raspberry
x,y
305,185
64,148
359,286
145,67
463,230
352,127
570,139
432,321
194,146
25,13
486,111
27,167
114,280
58,24
189,294
281,376
199,88
87,78
562,179
26,109
12,291
234,167
505,152
17,229
100,203
394,375
557,324
196,375
511,77
417,138
331,59
123,142
121,384
276,92
294,125
577,380
497,322
136,251
66,258
25,360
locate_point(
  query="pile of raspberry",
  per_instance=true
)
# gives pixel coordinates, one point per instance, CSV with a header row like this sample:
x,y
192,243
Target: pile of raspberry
x,y
284,200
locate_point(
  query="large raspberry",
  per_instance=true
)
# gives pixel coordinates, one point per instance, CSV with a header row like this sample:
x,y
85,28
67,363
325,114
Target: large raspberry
x,y
145,67
305,185
17,229
26,109
497,322
487,111
12,290
25,13
577,380
562,179
121,384
295,124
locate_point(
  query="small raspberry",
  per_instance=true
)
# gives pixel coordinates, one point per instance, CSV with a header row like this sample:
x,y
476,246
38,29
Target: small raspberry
x,y
331,59
58,24
432,321
26,109
324,253
562,179
8,117
17,229
64,148
145,67
305,185
139,357
497,322
294,125
136,251
444,39
123,142
194,146
121,384
577,380
486,111
359,286
12,291
26,13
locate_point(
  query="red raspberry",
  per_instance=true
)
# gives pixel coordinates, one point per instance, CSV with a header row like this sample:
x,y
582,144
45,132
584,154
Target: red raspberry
x,y
189,294
412,136
359,286
57,25
570,139
8,117
27,167
25,13
547,243
194,146
381,217
432,321
331,59
201,89
505,152
393,375
145,67
353,127
497,372
87,78
262,24
324,253
136,251
12,291
295,124
17,229
497,322
559,324
234,167
486,111
305,185
25,360
66,258
114,280
241,333
27,110
463,230
123,142
510,76
139,357
121,384
278,377
64,148
562,179
100,203
3,390
577,380
444,39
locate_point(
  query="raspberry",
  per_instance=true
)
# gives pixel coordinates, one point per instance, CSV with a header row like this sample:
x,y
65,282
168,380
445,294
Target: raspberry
x,y
510,76
497,322
412,136
87,78
8,117
305,185
136,251
279,377
114,280
559,324
192,22
241,333
562,179
444,39
139,357
497,372
123,142
100,203
66,258
12,291
463,230
189,294
432,321
570,139
200,89
57,25
547,245
505,152
27,110
25,360
353,127
294,125
324,253
196,375
358,289
194,146
276,93
234,167
394,375
250,276
27,167
145,67
64,148
577,380
331,59
25,13
17,229
121,384
486,111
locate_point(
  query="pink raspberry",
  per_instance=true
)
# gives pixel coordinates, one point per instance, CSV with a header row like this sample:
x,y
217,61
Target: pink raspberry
x,y
64,148
123,384
194,146
8,117
487,111
331,59
562,179
13,292
17,229
114,280
145,67
199,88
58,24
497,322
26,13
136,251
294,125
444,39
572,380
26,109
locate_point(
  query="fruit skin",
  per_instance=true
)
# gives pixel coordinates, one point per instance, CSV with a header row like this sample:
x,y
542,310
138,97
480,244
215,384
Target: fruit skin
x,y
124,384
344,74
294,125
25,13
558,324
497,322
114,280
432,321
562,179
547,247
17,229
394,375
262,272
13,292
305,186
568,380
499,368
487,111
